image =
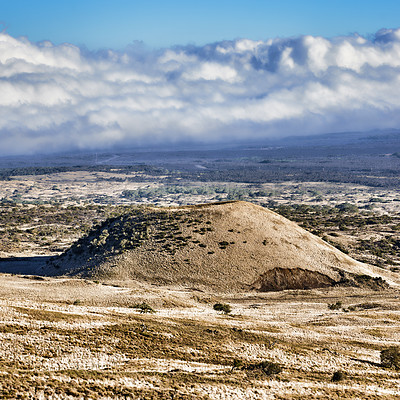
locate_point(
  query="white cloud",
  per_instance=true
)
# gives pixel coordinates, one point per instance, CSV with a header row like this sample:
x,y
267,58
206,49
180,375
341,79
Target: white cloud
x,y
211,71
55,98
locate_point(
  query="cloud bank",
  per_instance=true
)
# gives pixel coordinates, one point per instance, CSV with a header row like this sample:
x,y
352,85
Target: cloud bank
x,y
56,98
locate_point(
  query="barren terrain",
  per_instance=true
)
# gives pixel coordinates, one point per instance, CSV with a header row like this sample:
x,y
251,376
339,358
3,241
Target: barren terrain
x,y
69,339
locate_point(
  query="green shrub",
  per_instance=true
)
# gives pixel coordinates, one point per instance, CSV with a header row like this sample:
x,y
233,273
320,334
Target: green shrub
x,y
144,308
374,283
337,376
335,306
237,364
390,358
225,308
267,367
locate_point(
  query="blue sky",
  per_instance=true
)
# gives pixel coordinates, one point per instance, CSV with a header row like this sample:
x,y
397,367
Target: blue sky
x,y
159,23
243,70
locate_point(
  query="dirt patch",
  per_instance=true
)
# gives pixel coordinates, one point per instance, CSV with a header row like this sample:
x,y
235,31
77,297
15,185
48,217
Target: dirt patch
x,y
291,278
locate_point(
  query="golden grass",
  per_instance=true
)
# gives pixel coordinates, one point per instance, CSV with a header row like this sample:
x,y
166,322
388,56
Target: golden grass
x,y
51,348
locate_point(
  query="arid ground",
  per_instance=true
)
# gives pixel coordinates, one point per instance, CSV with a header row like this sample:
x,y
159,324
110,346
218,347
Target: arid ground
x,y
88,338
69,339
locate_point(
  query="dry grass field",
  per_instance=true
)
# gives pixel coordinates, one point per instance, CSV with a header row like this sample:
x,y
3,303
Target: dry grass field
x,y
83,187
64,338
79,339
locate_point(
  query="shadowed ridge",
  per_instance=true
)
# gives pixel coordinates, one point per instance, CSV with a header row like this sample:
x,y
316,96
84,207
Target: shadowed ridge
x,y
227,246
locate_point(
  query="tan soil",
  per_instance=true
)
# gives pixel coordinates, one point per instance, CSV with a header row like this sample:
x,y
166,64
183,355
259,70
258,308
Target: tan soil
x,y
53,346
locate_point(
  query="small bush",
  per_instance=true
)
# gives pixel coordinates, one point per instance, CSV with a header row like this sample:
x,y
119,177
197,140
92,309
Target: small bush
x,y
368,306
267,367
337,376
144,308
390,358
270,368
335,306
237,364
374,283
225,308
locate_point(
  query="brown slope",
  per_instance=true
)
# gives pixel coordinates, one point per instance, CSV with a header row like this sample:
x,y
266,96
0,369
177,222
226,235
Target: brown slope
x,y
224,246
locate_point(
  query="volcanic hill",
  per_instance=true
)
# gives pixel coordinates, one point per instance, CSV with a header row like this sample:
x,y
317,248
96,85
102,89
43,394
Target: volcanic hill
x,y
228,246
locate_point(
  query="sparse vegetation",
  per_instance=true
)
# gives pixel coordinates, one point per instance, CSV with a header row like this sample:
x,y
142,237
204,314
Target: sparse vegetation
x,y
390,358
266,367
144,308
331,222
338,376
149,354
335,306
109,348
237,364
225,308
375,283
